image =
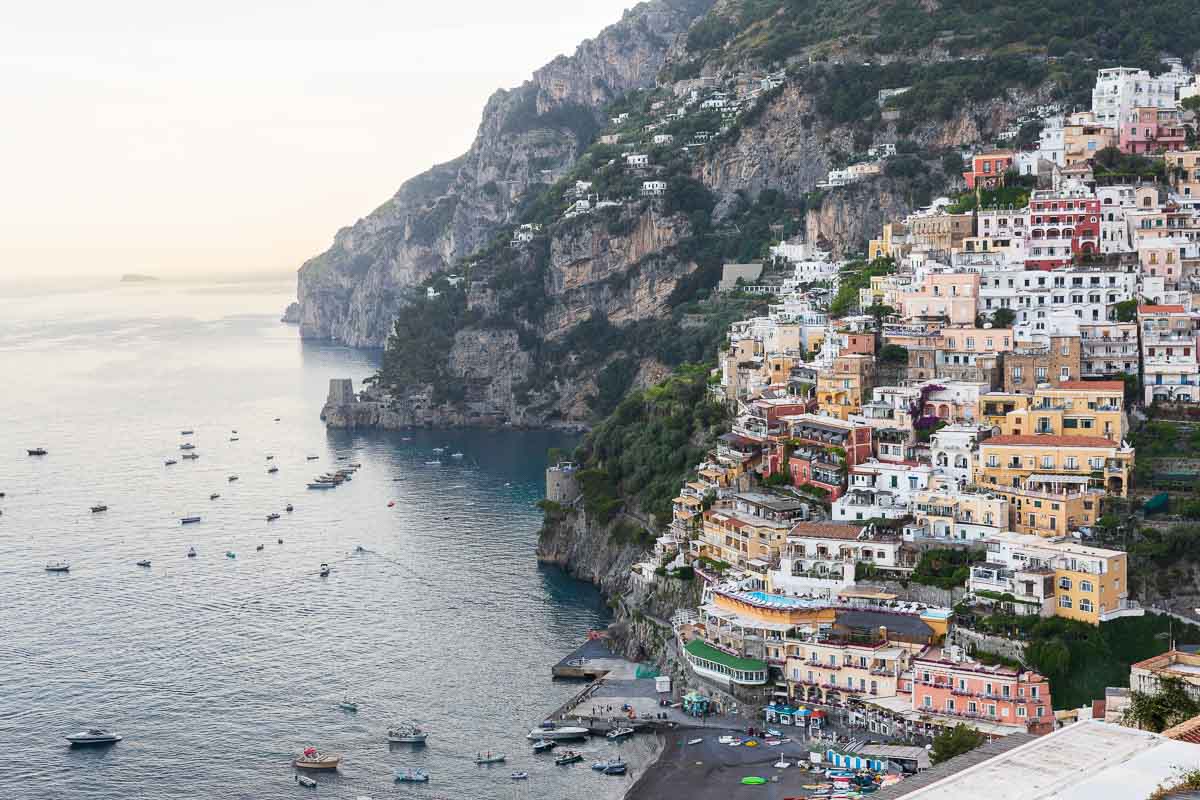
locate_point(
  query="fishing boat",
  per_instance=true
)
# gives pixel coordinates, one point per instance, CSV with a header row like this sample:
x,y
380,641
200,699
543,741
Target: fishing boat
x,y
519,776
260,547
58,566
187,446
272,517
213,496
289,508
558,733
98,508
191,456
230,554
186,433
489,758
145,562
270,458
191,553
306,781
569,757
544,745
695,741
407,733
324,571
619,733
434,463
93,736
234,439
412,776
615,767
312,759
37,451
232,478
272,470
321,485
311,458
170,462
188,520
348,705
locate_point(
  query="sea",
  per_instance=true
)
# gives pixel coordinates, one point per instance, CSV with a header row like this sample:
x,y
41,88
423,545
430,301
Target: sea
x,y
217,669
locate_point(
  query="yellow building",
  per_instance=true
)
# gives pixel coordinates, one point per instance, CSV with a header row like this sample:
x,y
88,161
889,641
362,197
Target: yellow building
x,y
994,407
1073,408
1054,577
841,390
747,531
1051,505
1010,461
889,243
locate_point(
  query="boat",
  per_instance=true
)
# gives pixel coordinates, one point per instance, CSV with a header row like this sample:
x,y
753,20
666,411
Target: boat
x,y
191,456
306,781
270,458
439,449
619,733
412,776
434,463
321,486
753,780
569,757
311,759
272,470
188,520
407,733
324,570
695,741
348,705
230,554
277,419
289,508
58,566
544,745
170,461
615,767
456,455
260,547
272,517
234,439
391,503
186,433
234,430
187,446
311,458
213,496
232,478
342,458
93,736
99,508
145,562
191,552
558,733
488,758
37,451
356,464
280,541
519,776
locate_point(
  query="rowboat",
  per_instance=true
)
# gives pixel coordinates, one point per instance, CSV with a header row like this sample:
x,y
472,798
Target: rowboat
x,y
489,758
407,733
98,508
311,759
543,746
569,757
145,562
412,776
306,782
58,566
321,486
519,776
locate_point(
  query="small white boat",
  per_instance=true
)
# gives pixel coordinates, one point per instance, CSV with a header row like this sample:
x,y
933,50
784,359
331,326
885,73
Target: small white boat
x,y
490,758
434,463
619,733
306,781
519,776
439,449
456,455
58,566
232,478
191,456
272,517
324,571
93,736
412,776
407,733
96,509
170,462
348,705
556,733
695,741
781,764
145,562
187,446
273,470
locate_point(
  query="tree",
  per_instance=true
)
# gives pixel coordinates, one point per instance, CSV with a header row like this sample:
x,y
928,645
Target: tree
x,y
1170,705
1191,103
1126,310
893,354
954,742
1003,317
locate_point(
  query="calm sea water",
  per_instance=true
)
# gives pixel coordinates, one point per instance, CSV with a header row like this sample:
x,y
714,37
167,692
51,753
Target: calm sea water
x,y
216,669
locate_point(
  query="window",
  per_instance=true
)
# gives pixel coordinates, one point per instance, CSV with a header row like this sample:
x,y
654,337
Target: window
x,y
928,702
1085,586
1020,711
1064,601
1085,605
1047,462
1064,583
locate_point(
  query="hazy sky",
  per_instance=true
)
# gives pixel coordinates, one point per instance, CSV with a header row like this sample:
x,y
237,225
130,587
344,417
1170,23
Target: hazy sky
x,y
150,136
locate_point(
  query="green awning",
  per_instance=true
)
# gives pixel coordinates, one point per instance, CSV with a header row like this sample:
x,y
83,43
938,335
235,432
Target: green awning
x,y
701,650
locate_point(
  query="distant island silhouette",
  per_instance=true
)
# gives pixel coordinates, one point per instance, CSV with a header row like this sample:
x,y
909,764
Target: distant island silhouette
x,y
133,277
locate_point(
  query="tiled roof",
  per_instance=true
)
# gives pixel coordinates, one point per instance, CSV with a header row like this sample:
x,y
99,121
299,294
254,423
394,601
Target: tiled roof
x,y
825,530
1051,440
1098,386
1187,731
1161,309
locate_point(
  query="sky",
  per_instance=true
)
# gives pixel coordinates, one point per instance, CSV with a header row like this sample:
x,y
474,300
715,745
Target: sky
x,y
238,135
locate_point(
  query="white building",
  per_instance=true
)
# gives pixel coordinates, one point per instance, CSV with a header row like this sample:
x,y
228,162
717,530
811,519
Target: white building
x,y
654,188
1051,144
1119,90
880,490
637,160
1087,293
663,138
1115,202
952,450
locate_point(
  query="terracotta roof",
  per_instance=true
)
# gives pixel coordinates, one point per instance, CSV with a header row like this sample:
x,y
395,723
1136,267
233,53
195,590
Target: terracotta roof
x,y
1161,309
1051,440
826,530
1098,386
1187,731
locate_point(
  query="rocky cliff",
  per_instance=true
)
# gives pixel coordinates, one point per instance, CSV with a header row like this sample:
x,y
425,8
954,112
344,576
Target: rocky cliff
x,y
528,137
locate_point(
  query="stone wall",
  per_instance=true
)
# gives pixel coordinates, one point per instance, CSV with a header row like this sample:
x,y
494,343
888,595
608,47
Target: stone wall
x,y
561,485
918,592
974,643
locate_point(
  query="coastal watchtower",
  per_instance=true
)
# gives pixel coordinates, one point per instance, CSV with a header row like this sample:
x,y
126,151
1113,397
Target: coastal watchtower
x,y
561,485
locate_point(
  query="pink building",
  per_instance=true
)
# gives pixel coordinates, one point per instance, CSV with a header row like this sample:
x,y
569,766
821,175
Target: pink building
x,y
1062,225
962,688
987,169
1152,130
950,295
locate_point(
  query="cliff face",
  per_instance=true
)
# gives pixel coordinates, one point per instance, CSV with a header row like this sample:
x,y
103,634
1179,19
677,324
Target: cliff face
x,y
528,136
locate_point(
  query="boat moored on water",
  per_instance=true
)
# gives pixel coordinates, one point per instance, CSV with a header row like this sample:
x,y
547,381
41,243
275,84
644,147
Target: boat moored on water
x,y
186,433
569,757
311,758
213,496
188,520
544,745
273,470
321,486
412,776
98,508
37,451
187,446
348,705
93,736
145,562
289,508
519,776
324,571
407,733
311,458
191,456
306,782
260,547
615,767
232,478
272,517
619,733
58,566
489,758
170,462
557,733
191,553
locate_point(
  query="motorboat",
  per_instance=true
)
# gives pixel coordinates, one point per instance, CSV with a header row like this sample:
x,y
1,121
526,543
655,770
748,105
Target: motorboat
x,y
232,478
272,517
98,508
186,433
187,446
191,456
93,736
306,782
270,458
312,759
280,541
188,520
234,439
519,776
325,571
439,449
615,767
412,776
358,548
191,553
356,464
37,451
490,758
145,562
544,745
434,463
557,733
170,462
619,733
277,419
289,508
456,455
261,547
230,554
348,705
322,486
569,757
311,458
407,733
58,566
234,430
213,496
272,470
391,503
695,741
